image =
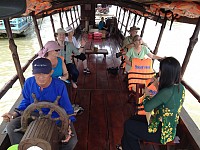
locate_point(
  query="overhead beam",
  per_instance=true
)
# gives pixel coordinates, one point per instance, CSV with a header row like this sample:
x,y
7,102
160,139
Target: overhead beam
x,y
132,5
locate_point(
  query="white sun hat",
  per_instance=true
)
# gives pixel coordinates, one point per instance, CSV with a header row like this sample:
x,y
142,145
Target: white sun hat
x,y
69,29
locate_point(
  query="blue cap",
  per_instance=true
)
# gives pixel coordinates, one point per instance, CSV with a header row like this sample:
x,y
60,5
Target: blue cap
x,y
41,65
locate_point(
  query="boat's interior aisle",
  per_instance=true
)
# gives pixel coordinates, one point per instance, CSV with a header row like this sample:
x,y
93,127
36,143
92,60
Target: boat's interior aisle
x,y
104,99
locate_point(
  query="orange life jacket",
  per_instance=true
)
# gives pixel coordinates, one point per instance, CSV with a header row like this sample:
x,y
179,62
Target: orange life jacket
x,y
151,87
152,91
140,72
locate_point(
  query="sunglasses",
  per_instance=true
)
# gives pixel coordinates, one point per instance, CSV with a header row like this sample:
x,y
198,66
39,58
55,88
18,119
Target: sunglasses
x,y
57,50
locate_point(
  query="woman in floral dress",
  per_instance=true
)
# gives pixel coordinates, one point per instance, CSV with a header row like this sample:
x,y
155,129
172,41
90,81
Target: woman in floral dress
x,y
166,104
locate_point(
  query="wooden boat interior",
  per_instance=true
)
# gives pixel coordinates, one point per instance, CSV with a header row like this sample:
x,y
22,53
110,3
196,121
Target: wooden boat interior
x,y
104,96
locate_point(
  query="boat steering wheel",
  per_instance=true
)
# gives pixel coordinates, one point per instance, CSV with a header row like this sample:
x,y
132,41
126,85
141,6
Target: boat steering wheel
x,y
54,107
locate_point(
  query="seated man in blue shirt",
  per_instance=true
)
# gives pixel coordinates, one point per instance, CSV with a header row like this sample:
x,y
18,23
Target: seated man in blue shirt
x,y
102,24
45,88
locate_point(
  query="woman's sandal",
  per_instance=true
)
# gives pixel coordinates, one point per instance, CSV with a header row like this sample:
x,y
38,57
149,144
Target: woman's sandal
x,y
119,147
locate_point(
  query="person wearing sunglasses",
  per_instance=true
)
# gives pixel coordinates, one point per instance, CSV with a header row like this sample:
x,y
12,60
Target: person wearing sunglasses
x,y
51,51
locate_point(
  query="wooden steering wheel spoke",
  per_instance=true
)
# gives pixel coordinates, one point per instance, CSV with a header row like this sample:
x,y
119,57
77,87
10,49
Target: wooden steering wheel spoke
x,y
53,107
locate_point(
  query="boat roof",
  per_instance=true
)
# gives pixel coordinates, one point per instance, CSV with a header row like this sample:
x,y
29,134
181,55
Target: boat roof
x,y
187,11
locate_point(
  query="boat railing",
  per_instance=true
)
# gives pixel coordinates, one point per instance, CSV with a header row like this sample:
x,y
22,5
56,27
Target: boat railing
x,y
191,90
10,83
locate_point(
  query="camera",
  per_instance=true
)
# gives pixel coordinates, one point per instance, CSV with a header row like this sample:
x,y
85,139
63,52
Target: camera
x,y
118,54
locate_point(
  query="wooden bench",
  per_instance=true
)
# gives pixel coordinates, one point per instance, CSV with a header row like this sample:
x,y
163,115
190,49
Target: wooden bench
x,y
99,51
169,145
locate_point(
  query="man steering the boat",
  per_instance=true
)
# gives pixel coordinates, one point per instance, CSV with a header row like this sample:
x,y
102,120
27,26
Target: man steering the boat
x,y
45,88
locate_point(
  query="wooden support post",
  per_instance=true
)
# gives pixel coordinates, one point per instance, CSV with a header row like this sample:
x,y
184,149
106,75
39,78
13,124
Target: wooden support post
x,y
135,19
37,31
53,27
78,13
67,18
160,36
14,52
116,12
61,23
193,41
123,20
143,27
127,22
119,15
75,15
72,18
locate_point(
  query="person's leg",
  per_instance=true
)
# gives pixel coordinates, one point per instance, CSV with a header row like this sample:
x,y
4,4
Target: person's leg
x,y
72,142
73,71
84,60
85,64
136,129
15,137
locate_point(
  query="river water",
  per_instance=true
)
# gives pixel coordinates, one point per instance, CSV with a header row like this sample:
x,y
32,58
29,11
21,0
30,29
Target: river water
x,y
174,42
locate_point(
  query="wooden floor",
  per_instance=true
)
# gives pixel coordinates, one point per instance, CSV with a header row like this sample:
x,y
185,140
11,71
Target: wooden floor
x,y
104,99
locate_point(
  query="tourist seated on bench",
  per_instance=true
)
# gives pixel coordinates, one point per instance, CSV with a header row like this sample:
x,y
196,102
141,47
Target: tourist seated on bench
x,y
167,104
51,51
45,88
71,67
102,26
72,47
138,51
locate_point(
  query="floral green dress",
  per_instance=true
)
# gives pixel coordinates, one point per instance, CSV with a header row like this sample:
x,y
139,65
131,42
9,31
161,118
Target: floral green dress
x,y
167,104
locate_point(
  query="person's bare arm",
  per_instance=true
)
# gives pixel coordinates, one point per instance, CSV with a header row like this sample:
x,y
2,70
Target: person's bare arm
x,y
127,61
152,56
9,116
65,72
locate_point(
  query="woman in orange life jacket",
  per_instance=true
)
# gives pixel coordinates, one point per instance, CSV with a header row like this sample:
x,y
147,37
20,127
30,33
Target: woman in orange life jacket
x,y
138,51
167,104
